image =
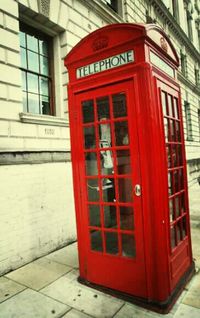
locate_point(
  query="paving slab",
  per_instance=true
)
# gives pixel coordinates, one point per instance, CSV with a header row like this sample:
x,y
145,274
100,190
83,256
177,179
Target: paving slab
x,y
185,311
73,313
39,274
8,288
85,299
31,304
67,255
192,297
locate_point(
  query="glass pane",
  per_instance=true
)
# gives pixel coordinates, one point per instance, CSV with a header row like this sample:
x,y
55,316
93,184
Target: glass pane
x,y
170,183
176,113
25,109
180,156
169,159
22,39
108,188
23,58
110,216
126,218
184,227
94,215
91,164
89,137
179,231
103,110
96,240
176,181
106,162
45,105
123,162
177,209
172,131
32,43
44,86
104,135
121,133
128,246
33,62
173,237
111,242
119,105
181,179
178,132
43,46
164,104
24,87
44,65
171,210
125,190
170,105
182,205
88,111
33,103
166,129
93,190
174,156
32,83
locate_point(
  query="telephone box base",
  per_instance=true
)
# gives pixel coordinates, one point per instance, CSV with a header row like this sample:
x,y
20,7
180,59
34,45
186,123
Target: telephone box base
x,y
160,307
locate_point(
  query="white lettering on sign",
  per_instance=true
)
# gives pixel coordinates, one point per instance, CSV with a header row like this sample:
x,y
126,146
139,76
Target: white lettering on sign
x,y
106,64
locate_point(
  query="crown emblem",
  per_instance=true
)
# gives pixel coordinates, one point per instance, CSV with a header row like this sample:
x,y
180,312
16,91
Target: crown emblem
x,y
100,43
163,44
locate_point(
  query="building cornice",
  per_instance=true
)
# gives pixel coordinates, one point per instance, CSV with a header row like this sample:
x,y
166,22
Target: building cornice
x,y
188,83
175,27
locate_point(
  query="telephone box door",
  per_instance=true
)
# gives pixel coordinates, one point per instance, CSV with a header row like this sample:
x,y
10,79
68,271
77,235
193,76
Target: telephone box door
x,y
110,217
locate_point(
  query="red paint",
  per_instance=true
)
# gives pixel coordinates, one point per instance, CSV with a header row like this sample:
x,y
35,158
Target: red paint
x,y
152,264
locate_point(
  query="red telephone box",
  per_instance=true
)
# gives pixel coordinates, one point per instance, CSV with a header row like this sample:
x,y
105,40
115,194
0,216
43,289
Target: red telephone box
x,y
129,166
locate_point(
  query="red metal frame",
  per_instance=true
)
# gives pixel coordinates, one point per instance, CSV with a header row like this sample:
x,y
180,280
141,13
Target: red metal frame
x,y
157,272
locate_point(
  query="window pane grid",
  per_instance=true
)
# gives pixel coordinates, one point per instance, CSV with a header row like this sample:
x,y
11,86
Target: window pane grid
x,y
37,80
110,210
174,158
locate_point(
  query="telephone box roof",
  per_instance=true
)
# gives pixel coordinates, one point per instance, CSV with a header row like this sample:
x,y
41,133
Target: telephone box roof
x,y
115,35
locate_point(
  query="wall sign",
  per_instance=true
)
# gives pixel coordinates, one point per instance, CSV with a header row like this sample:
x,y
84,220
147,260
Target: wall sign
x,y
106,64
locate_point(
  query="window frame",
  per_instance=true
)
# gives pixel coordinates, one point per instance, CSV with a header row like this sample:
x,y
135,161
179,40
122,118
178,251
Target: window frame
x,y
188,121
40,36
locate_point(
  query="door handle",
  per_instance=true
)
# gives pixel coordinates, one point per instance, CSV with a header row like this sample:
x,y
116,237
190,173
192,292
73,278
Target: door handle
x,y
138,190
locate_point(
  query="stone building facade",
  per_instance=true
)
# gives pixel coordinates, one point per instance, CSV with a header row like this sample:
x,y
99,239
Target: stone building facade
x,y
36,201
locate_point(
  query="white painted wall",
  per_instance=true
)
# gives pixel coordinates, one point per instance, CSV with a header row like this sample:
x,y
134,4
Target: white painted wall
x,y
36,211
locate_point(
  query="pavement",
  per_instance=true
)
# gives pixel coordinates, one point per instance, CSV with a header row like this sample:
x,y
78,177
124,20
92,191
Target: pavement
x,y
48,287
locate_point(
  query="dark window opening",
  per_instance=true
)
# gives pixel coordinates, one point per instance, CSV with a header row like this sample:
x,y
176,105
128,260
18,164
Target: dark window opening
x,y
188,121
199,122
183,60
196,73
113,4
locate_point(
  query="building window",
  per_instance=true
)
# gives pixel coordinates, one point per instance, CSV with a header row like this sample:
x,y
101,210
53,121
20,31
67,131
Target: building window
x,y
188,121
199,122
172,6
113,4
183,60
189,12
35,51
196,73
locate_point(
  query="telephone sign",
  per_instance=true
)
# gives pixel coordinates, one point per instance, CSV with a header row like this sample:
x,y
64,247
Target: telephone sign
x,y
106,64
129,166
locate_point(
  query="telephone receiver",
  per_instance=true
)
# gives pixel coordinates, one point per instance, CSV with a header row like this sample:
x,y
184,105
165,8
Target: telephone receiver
x,y
105,142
